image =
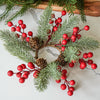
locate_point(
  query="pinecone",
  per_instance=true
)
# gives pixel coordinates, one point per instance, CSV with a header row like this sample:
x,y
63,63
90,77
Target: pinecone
x,y
41,62
61,60
35,43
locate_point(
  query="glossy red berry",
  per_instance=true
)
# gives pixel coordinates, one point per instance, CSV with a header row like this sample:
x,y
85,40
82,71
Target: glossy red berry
x,y
56,22
31,65
10,24
59,20
75,29
18,29
94,66
71,64
70,93
86,28
13,29
30,33
90,61
25,76
63,48
63,86
21,80
63,77
64,42
72,82
73,37
19,68
81,60
63,12
83,65
64,71
90,54
20,22
65,36
27,39
58,81
51,21
23,26
71,89
54,28
24,35
26,72
79,36
85,55
10,73
75,33
35,74
24,66
19,74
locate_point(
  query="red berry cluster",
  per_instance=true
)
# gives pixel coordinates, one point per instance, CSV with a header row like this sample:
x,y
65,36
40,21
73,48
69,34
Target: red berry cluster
x,y
24,72
75,35
66,84
20,29
83,62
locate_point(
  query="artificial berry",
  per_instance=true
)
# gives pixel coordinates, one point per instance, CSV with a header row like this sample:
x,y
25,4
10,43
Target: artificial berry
x,y
24,35
10,24
27,39
25,76
64,71
19,74
83,65
78,36
86,28
17,35
73,37
65,36
19,68
90,54
94,66
71,89
71,64
26,72
63,12
31,65
63,48
35,74
54,28
90,61
51,21
18,29
70,93
23,26
58,81
10,73
24,66
81,60
13,29
59,20
63,77
75,29
85,55
64,42
20,22
75,33
63,86
30,33
56,22
21,80
72,82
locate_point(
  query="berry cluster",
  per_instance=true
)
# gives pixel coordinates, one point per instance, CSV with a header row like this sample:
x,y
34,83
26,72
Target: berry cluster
x,y
83,62
66,84
20,29
24,72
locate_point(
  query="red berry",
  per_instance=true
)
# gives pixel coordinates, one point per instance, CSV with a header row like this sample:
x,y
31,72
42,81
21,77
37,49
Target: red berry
x,y
18,29
35,74
30,33
51,21
56,22
10,73
63,48
63,86
73,61
64,42
49,37
25,76
65,36
63,77
75,33
71,64
59,20
21,80
19,68
27,39
24,66
13,29
24,35
23,26
75,29
10,24
17,35
63,12
86,28
94,66
90,54
26,72
71,89
72,82
73,37
78,36
54,28
19,74
81,60
58,81
70,93
31,65
64,71
90,62
83,65
20,22
85,55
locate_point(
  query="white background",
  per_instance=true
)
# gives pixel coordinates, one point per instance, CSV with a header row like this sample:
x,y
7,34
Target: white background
x,y
88,83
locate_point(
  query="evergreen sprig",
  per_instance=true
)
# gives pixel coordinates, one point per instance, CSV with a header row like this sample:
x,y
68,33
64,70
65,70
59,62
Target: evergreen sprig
x,y
16,47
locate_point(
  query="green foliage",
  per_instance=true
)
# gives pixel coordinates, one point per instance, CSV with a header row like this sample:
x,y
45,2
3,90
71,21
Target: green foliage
x,y
15,46
43,79
44,23
67,27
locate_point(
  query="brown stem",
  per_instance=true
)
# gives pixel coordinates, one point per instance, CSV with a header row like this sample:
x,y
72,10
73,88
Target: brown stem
x,y
36,54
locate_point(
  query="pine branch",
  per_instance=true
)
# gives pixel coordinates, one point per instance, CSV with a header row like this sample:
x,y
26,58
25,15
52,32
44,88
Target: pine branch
x,y
67,27
16,47
44,23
